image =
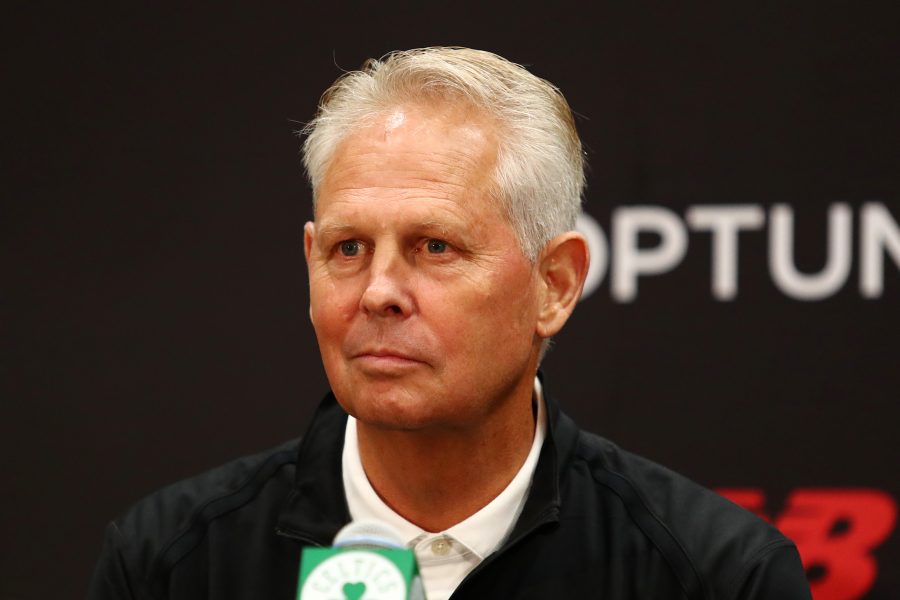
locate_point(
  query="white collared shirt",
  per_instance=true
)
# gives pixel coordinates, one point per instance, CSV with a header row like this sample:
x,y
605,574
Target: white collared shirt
x,y
446,557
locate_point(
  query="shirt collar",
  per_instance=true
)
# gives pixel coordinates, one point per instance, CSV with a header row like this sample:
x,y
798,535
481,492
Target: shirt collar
x,y
483,532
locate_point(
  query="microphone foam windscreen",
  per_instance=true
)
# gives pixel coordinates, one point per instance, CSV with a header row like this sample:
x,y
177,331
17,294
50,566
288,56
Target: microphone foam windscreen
x,y
368,534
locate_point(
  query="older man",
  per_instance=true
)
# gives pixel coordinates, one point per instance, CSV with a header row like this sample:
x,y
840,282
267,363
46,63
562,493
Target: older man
x,y
441,260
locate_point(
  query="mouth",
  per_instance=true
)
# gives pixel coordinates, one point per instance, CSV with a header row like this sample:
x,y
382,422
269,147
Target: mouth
x,y
384,360
387,355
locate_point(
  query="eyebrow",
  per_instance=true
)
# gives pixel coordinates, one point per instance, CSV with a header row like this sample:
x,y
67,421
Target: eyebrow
x,y
434,225
339,228
332,229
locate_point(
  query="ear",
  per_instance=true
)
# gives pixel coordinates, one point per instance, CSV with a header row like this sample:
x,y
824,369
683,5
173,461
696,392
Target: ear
x,y
562,266
309,234
309,238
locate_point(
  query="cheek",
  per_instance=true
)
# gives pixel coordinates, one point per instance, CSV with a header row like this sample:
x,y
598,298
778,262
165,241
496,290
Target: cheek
x,y
331,308
498,311
514,292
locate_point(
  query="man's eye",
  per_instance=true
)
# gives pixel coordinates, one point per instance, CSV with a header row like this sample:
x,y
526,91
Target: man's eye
x,y
350,248
436,246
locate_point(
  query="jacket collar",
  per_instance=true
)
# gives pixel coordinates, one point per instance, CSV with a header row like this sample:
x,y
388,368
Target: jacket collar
x,y
543,503
316,507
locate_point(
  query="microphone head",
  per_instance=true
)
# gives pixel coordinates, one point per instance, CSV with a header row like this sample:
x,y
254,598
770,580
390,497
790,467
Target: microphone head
x,y
368,533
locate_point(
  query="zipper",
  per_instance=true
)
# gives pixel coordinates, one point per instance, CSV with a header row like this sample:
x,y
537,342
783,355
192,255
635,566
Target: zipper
x,y
300,537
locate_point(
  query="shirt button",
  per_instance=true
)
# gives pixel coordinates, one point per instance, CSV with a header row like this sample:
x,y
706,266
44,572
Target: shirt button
x,y
440,546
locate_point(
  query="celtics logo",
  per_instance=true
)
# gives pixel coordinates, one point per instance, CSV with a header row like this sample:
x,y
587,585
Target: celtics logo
x,y
355,575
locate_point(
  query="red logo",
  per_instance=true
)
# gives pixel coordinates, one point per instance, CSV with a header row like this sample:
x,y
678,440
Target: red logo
x,y
835,530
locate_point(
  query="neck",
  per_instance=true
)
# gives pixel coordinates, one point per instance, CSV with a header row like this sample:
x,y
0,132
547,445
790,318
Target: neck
x,y
437,478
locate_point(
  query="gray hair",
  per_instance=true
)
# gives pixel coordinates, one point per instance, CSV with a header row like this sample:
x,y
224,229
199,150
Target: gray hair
x,y
539,176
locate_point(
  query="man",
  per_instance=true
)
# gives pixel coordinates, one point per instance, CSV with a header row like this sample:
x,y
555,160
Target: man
x,y
441,260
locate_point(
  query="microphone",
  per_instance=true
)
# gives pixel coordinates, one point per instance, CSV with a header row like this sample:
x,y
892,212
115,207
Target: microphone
x,y
367,561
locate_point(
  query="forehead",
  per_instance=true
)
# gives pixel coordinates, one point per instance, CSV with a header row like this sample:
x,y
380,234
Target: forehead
x,y
428,151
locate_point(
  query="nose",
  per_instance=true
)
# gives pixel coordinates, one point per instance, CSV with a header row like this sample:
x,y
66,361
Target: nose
x,y
387,292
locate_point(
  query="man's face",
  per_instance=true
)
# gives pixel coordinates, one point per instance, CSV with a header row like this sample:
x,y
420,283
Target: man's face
x,y
423,304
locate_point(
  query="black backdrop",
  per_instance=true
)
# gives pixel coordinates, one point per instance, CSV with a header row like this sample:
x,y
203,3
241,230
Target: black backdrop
x,y
154,299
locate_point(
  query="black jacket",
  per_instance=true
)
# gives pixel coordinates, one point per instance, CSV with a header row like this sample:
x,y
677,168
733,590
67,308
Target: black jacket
x,y
599,522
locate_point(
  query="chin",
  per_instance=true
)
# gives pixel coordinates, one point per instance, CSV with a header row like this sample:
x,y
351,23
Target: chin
x,y
393,409
388,414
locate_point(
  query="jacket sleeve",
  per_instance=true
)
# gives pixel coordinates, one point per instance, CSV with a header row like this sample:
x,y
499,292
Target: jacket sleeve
x,y
110,580
779,575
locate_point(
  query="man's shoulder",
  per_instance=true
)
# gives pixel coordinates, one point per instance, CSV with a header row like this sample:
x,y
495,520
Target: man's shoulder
x,y
187,507
667,495
702,535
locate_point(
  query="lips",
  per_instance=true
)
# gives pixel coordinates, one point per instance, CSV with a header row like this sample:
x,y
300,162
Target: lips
x,y
379,348
387,362
388,354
